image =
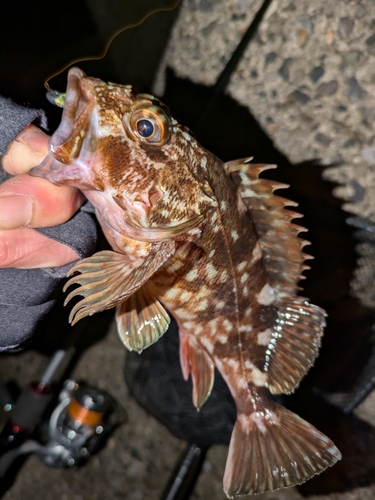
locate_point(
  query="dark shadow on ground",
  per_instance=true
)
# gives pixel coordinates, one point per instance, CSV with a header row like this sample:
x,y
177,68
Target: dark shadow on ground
x,y
230,131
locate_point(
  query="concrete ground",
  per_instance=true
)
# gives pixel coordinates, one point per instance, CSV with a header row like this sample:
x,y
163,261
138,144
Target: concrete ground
x,y
141,454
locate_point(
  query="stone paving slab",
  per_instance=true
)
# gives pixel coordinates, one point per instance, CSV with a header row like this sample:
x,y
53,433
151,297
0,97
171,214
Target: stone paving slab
x,y
308,78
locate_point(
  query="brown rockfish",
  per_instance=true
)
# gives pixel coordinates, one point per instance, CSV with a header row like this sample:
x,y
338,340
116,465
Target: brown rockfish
x,y
209,242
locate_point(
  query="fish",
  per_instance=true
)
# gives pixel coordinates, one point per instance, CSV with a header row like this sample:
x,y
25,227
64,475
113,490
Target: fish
x,y
208,243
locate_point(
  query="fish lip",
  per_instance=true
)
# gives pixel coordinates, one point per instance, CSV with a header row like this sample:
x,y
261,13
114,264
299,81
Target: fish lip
x,y
58,165
76,94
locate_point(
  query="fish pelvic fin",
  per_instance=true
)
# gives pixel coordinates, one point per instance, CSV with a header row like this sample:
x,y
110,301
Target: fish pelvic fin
x,y
108,278
196,361
274,449
141,321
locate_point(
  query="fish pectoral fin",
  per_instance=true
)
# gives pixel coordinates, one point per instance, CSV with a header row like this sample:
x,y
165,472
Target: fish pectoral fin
x,y
294,343
196,361
108,278
273,449
141,321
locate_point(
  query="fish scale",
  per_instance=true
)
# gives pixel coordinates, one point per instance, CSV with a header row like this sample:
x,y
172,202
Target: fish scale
x,y
209,242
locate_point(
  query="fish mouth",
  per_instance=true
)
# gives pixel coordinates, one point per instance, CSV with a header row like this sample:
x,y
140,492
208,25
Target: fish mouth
x,y
65,145
77,99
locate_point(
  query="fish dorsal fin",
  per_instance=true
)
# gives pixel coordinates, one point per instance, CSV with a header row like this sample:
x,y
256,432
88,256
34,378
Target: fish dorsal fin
x,y
295,337
141,321
196,361
108,278
278,237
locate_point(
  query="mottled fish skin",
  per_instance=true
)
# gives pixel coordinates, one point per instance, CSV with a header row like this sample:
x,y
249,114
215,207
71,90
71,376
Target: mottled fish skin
x,y
211,243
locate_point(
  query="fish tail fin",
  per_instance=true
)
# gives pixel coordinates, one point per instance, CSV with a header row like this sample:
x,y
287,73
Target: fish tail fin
x,y
274,449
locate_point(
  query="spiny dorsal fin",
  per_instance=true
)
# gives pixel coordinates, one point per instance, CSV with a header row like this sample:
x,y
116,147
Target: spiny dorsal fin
x,y
278,237
295,338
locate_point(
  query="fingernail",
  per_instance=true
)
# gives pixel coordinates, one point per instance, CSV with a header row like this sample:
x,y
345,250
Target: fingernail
x,y
34,138
15,211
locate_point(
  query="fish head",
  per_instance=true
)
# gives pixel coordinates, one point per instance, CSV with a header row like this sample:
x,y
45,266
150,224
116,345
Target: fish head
x,y
130,157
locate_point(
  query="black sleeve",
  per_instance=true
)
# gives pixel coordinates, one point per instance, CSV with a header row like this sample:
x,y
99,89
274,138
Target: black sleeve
x,y
26,294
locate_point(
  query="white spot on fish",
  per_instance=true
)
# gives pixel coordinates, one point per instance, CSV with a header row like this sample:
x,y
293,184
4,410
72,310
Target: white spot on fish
x,y
207,344
223,339
189,325
249,193
259,378
242,208
185,135
184,314
211,271
212,324
185,296
241,266
263,338
242,383
202,305
175,266
244,277
172,293
203,292
249,365
256,253
246,328
267,295
245,291
223,205
220,304
223,277
227,325
233,363
248,311
211,254
198,329
192,275
234,235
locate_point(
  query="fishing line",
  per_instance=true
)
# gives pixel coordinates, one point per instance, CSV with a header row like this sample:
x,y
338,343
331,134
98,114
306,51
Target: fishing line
x,y
58,98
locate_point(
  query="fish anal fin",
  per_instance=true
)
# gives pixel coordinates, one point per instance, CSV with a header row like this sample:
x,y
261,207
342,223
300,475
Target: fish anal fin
x,y
141,321
274,449
196,361
294,343
108,278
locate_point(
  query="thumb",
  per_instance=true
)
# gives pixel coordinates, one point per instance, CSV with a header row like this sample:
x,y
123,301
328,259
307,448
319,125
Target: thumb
x,y
26,151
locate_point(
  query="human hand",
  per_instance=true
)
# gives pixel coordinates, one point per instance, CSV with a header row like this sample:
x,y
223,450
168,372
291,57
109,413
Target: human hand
x,y
31,202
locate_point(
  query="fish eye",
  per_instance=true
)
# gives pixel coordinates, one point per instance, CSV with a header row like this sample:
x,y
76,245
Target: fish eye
x,y
145,128
147,124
